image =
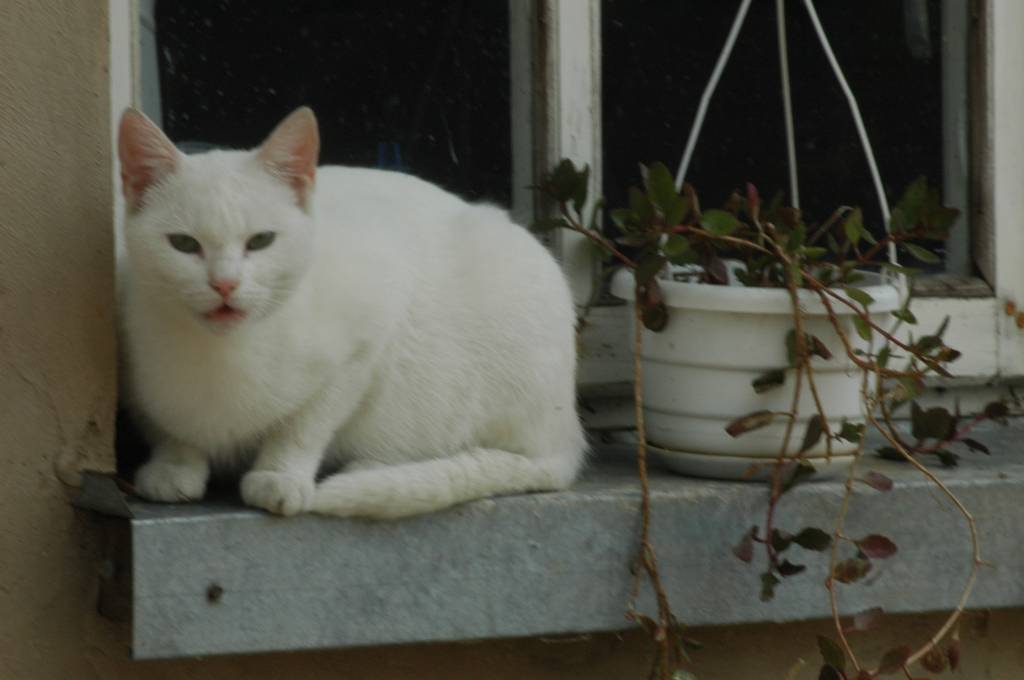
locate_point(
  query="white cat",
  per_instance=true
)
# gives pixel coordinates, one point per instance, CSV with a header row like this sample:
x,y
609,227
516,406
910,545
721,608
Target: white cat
x,y
423,343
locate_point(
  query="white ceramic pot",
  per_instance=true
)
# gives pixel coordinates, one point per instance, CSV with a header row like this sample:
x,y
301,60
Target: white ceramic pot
x,y
698,373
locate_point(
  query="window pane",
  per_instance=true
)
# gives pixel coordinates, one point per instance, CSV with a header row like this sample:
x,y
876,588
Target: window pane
x,y
658,55
420,85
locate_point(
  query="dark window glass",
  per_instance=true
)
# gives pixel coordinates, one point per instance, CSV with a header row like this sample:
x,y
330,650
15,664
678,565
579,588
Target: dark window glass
x,y
658,55
418,85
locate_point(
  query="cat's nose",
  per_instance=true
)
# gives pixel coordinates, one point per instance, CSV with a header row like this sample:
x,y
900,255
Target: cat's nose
x,y
224,286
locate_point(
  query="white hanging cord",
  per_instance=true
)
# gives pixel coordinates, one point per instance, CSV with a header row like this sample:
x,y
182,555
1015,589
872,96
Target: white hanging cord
x,y
709,90
787,101
855,111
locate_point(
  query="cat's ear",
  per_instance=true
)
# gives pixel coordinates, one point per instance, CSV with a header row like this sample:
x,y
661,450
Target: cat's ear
x,y
147,156
291,152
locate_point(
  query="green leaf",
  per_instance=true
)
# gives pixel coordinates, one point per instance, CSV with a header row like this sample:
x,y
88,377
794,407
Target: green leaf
x,y
791,348
922,254
661,188
796,238
814,539
853,226
905,315
648,267
676,248
828,672
781,540
912,203
831,653
643,211
623,218
909,387
889,453
894,660
802,471
561,184
815,252
996,410
768,583
851,432
975,445
899,269
579,194
769,381
812,435
719,222
751,421
787,568
859,296
863,329
935,423
677,211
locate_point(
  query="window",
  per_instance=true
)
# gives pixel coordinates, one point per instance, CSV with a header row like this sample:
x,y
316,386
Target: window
x,y
947,94
422,87
551,103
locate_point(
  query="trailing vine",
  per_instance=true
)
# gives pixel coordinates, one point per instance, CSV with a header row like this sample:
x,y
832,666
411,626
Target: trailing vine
x,y
664,233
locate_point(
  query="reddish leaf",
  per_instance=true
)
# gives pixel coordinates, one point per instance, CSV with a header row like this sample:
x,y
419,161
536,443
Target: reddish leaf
x,y
876,480
851,570
934,660
867,619
751,421
876,546
894,660
815,427
745,548
953,654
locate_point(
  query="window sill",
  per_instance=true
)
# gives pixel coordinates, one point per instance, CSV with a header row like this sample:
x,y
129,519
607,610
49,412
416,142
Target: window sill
x,y
217,578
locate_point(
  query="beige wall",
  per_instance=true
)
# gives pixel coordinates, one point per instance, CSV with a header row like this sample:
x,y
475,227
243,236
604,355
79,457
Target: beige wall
x,y
57,398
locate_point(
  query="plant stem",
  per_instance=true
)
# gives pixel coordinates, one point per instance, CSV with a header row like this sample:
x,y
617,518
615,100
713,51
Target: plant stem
x,y
976,560
647,560
596,238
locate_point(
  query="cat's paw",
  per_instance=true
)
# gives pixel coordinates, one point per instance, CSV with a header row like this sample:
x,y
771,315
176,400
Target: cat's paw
x,y
171,481
278,492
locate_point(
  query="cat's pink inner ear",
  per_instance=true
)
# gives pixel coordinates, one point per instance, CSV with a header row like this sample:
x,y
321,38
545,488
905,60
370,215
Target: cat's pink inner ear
x,y
146,155
292,150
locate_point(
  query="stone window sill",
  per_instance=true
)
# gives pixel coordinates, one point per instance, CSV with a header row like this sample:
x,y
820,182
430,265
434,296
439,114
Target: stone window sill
x,y
216,577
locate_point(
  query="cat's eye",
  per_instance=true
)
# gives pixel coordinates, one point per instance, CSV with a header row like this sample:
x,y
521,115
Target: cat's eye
x,y
260,240
185,244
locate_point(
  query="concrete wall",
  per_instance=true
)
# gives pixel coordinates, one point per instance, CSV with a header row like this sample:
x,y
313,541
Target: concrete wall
x,y
57,393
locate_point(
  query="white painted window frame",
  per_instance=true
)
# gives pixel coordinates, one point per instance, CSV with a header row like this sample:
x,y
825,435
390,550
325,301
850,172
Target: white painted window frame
x,y
555,73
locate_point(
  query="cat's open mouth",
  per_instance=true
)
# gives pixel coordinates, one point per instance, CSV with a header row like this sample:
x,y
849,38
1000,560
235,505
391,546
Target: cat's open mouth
x,y
224,314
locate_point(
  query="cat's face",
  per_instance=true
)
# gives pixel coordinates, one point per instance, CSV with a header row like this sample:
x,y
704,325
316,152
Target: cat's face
x,y
226,235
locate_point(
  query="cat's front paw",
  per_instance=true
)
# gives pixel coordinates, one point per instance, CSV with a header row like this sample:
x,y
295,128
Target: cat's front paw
x,y
278,492
172,481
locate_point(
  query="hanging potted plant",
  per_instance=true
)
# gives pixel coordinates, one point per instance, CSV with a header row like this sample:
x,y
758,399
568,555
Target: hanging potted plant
x,y
723,293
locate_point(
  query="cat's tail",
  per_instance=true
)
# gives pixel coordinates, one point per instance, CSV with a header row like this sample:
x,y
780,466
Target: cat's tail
x,y
414,488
